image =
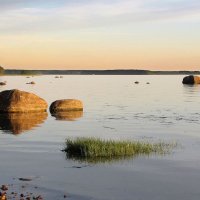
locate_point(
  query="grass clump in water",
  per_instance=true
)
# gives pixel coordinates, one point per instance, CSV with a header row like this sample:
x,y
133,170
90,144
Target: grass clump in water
x,y
94,148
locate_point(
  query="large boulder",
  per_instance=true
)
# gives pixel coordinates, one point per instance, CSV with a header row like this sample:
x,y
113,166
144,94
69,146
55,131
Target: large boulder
x,y
17,123
16,101
66,105
190,80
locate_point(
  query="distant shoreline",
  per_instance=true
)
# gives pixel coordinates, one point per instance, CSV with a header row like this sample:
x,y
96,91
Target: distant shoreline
x,y
95,72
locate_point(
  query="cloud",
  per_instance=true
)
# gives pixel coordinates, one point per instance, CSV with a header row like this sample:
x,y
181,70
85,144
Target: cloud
x,y
23,15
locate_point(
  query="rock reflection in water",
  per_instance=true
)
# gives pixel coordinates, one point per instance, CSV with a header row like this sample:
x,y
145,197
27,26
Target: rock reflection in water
x,y
17,123
68,115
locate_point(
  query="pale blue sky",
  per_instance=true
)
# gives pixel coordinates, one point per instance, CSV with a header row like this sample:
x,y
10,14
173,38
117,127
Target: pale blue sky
x,y
154,34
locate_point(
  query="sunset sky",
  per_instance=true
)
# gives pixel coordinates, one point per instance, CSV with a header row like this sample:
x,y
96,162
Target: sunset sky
x,y
100,34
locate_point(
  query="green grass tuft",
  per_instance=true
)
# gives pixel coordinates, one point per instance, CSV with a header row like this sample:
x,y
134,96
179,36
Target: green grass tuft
x,y
94,149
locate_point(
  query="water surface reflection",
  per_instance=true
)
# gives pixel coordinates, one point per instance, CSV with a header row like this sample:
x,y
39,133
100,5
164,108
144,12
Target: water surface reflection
x,y
191,90
17,123
68,116
99,160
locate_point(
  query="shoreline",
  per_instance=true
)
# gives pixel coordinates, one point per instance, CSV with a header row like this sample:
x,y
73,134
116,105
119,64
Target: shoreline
x,y
95,72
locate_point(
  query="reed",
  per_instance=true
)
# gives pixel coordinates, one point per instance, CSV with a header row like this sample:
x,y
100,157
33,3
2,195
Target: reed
x,y
94,148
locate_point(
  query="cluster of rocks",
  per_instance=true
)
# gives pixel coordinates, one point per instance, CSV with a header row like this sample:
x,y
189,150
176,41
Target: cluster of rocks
x,y
2,83
21,111
5,194
23,192
137,82
16,101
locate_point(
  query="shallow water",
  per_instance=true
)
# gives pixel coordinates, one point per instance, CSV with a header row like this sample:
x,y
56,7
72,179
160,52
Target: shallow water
x,y
116,108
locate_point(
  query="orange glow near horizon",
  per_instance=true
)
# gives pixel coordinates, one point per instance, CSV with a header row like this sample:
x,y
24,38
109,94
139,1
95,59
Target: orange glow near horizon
x,y
100,35
82,55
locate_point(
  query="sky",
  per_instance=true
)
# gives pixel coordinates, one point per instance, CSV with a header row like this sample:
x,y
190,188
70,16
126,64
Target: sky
x,y
100,34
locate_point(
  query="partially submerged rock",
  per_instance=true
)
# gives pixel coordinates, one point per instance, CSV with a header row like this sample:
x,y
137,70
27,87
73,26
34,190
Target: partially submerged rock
x,y
32,83
190,80
3,83
20,101
66,105
25,179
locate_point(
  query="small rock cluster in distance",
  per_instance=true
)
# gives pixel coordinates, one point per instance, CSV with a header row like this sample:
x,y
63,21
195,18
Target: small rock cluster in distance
x,y
137,82
32,83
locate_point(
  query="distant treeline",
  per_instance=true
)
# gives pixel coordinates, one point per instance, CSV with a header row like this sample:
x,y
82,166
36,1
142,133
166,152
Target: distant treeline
x,y
95,72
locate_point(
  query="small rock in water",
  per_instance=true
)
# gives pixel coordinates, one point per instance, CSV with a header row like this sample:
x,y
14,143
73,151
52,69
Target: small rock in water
x,y
66,105
21,195
25,179
32,83
136,82
147,83
3,83
190,80
4,187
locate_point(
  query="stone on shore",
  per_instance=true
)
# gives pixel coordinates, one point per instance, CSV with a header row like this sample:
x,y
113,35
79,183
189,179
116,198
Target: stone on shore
x,y
16,101
66,105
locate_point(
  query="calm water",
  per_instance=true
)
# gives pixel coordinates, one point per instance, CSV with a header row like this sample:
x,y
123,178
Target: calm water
x,y
114,107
